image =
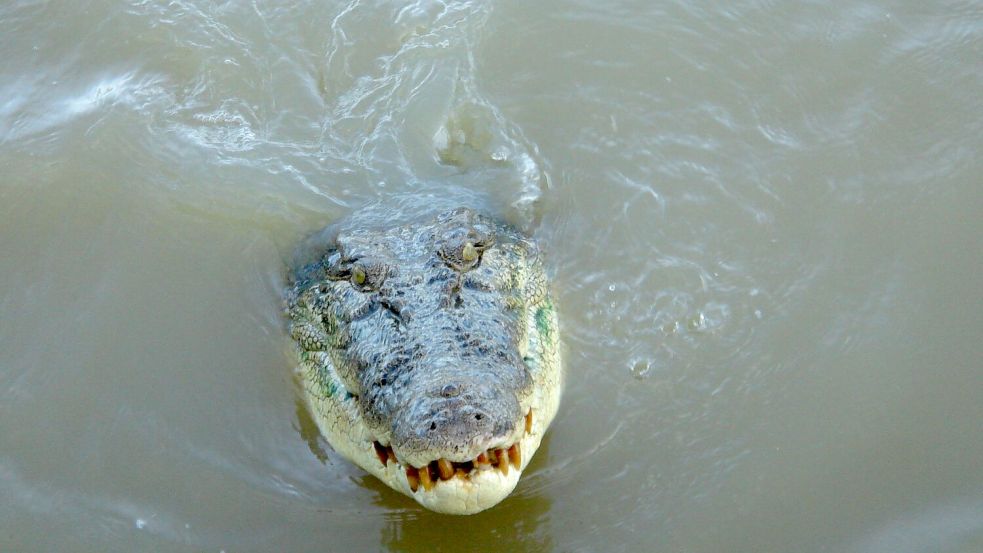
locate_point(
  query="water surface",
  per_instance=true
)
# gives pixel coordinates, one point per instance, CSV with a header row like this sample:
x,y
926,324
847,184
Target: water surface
x,y
762,220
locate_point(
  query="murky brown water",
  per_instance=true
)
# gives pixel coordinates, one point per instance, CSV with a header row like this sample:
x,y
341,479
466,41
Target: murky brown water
x,y
764,222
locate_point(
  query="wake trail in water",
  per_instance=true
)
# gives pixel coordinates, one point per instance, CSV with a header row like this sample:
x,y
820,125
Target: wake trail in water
x,y
403,104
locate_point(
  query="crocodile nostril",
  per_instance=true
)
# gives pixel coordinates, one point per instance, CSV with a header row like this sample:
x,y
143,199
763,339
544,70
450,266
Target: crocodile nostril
x,y
449,390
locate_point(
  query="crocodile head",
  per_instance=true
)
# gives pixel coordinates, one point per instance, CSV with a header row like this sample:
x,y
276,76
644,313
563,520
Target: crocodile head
x,y
429,355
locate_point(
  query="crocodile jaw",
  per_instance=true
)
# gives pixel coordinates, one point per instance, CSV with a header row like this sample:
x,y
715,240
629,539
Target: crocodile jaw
x,y
340,420
480,489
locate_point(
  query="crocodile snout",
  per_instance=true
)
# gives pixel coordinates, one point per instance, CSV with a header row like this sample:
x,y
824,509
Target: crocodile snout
x,y
455,421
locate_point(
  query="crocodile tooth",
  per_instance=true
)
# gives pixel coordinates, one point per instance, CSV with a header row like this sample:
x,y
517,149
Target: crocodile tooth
x,y
380,452
425,479
515,455
529,422
461,473
413,478
482,462
391,455
445,468
503,460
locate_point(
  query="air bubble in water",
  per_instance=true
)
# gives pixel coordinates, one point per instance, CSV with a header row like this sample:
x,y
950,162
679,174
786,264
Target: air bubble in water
x,y
698,323
640,368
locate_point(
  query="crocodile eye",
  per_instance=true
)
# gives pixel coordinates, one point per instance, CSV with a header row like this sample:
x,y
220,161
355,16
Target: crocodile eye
x,y
358,275
469,252
367,274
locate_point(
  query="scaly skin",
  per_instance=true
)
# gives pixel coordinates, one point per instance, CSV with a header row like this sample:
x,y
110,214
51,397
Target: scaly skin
x,y
429,355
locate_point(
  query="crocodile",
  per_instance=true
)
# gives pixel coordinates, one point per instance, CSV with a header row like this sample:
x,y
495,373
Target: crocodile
x,y
428,354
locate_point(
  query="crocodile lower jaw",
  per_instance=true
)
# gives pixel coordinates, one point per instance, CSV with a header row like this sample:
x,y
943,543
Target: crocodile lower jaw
x,y
458,488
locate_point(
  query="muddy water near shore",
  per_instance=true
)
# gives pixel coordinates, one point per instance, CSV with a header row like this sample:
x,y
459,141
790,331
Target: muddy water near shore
x,y
762,221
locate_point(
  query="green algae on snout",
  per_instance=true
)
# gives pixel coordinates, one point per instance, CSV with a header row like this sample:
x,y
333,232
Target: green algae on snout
x,y
544,320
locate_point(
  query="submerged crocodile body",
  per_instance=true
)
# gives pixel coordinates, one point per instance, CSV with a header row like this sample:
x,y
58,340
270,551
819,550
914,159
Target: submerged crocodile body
x,y
429,355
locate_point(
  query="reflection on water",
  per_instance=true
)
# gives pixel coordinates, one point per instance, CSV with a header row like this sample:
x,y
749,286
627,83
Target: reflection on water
x,y
761,220
521,524
307,428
